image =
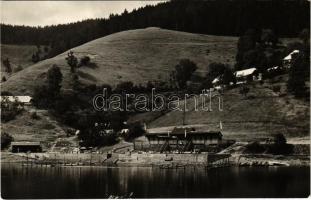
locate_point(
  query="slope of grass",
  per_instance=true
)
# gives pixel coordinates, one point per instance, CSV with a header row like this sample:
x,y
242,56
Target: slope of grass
x,y
45,129
18,55
135,55
260,115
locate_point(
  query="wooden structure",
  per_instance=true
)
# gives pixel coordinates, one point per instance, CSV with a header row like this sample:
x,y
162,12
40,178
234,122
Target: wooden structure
x,y
23,147
184,139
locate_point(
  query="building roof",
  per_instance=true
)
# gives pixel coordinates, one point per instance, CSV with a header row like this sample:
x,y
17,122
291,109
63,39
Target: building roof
x,y
216,80
182,130
185,131
289,56
23,99
25,143
245,72
273,68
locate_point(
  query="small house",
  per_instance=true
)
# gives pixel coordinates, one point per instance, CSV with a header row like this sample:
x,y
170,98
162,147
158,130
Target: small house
x,y
245,75
288,59
23,147
124,131
23,100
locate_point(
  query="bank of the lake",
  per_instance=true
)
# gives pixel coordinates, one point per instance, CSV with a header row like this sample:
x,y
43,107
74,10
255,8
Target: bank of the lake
x,y
153,159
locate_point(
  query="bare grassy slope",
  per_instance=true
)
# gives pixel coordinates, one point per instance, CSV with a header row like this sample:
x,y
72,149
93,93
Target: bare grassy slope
x,y
135,55
19,55
262,114
45,129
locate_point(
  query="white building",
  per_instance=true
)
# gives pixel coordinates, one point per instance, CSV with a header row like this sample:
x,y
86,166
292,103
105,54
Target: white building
x,y
25,100
288,59
244,75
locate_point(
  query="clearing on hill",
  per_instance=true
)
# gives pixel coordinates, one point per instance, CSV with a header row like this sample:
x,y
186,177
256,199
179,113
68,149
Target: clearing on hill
x,y
135,55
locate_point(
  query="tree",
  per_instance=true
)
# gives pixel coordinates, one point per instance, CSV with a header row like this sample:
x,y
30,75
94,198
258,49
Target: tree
x,y
35,57
183,72
268,37
297,76
304,35
85,61
228,76
279,139
215,70
6,140
54,79
276,88
280,145
72,61
9,108
246,43
7,64
135,131
124,87
3,79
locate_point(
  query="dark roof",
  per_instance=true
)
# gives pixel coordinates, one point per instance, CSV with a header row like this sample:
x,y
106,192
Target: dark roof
x,y
178,130
189,131
25,143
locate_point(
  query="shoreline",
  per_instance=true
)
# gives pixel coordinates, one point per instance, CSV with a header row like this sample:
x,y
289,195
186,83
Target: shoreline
x,y
152,160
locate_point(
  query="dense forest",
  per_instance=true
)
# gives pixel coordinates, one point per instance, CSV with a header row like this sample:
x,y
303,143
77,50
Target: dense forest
x,y
221,17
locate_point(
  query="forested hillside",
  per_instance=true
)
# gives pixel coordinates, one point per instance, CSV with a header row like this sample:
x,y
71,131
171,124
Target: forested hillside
x,y
230,18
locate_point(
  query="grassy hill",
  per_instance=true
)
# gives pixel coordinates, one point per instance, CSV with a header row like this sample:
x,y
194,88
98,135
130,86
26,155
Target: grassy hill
x,y
150,54
263,113
44,129
135,55
18,55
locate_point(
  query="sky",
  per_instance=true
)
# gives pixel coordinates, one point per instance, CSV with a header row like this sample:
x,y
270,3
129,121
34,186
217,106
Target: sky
x,y
41,13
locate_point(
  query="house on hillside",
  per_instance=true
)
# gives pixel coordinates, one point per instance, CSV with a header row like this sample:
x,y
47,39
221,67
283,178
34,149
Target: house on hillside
x,y
24,147
288,59
246,75
24,100
217,81
183,139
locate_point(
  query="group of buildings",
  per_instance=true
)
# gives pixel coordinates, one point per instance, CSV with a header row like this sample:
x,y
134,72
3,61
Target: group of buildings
x,y
252,74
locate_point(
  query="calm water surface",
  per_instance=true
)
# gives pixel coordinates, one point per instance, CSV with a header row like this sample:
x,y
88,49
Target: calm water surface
x,y
98,182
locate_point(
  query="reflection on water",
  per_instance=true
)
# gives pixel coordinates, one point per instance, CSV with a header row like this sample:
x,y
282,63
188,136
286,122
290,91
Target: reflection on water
x,y
98,182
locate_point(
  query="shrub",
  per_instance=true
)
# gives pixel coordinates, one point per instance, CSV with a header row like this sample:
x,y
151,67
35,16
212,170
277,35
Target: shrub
x,y
34,115
9,109
280,146
18,68
6,63
35,57
276,88
3,79
6,140
135,131
85,61
254,147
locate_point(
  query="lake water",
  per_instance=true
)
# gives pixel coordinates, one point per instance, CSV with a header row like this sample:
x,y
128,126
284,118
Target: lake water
x,y
98,182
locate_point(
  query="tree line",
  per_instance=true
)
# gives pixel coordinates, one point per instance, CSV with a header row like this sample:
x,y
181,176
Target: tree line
x,y
231,18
